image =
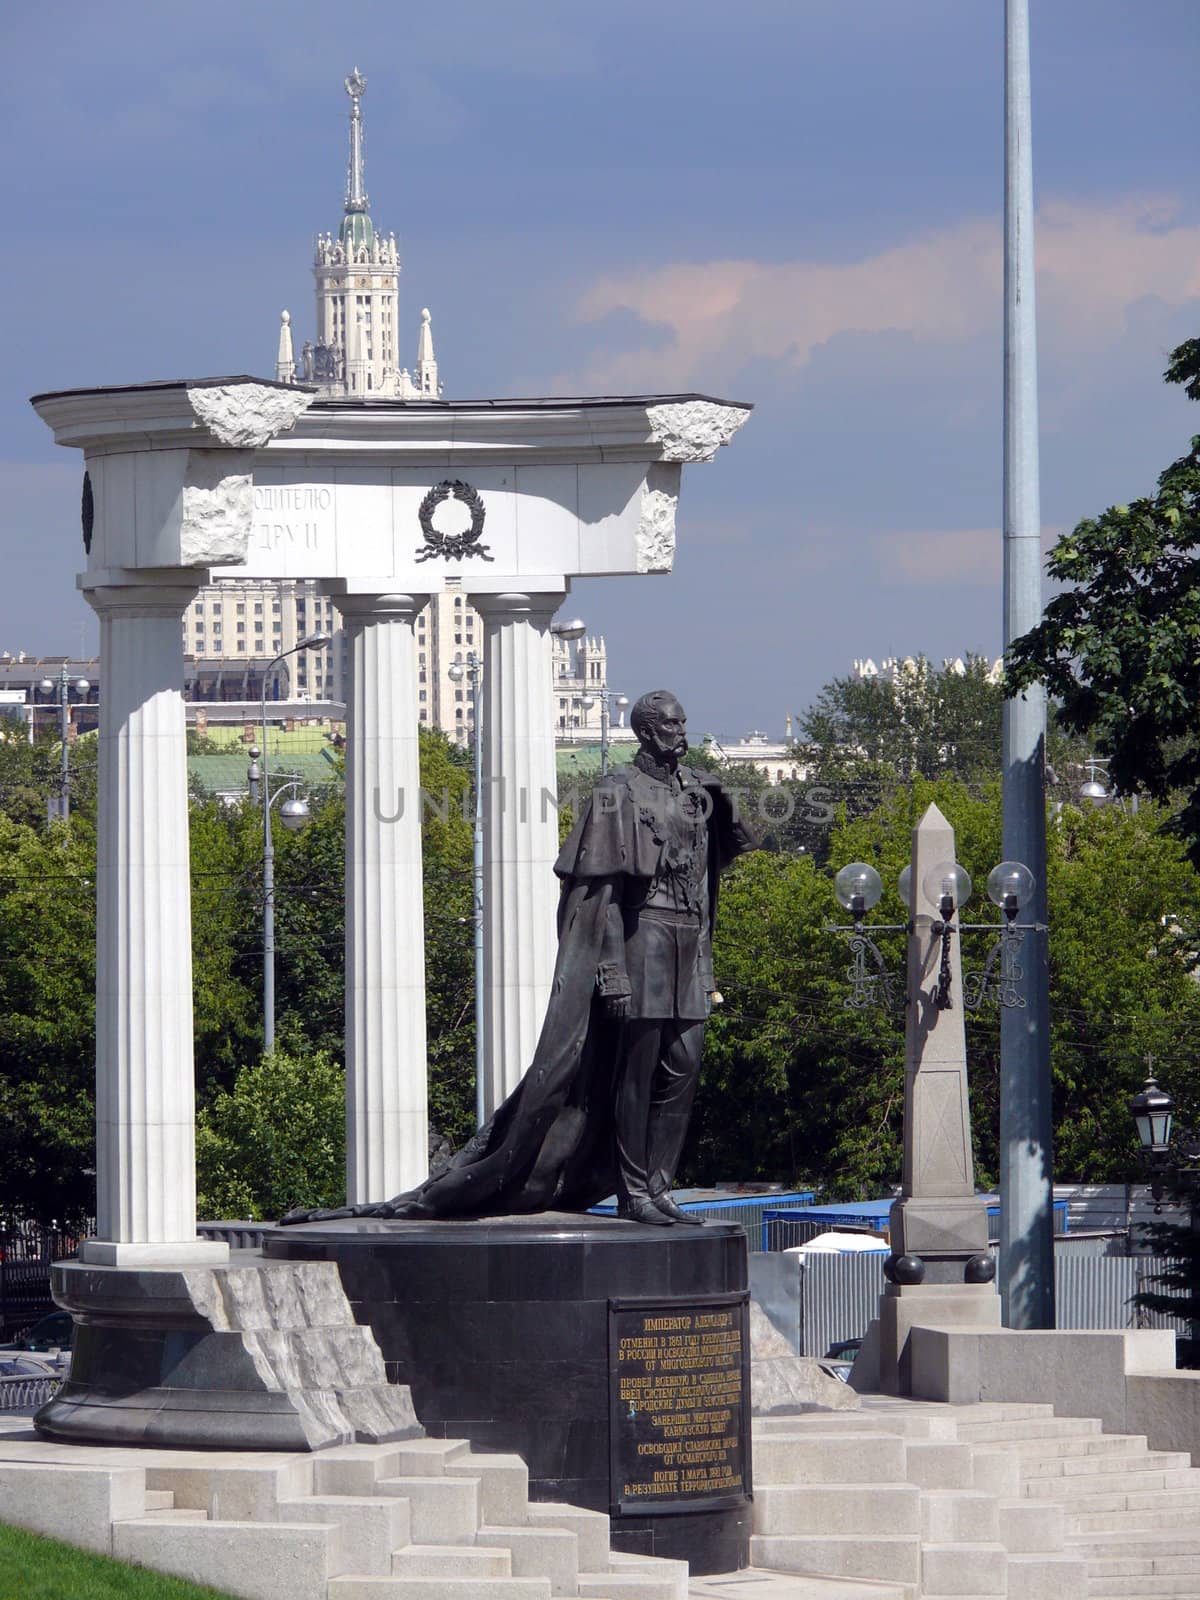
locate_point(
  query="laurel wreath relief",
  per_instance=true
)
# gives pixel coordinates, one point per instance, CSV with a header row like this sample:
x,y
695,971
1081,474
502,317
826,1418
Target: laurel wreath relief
x,y
452,546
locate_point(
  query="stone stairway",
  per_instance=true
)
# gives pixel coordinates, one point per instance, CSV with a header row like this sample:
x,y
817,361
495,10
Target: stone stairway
x,y
422,1519
959,1502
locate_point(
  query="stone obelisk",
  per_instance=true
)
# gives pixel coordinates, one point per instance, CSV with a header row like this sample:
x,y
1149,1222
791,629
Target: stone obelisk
x,y
939,1269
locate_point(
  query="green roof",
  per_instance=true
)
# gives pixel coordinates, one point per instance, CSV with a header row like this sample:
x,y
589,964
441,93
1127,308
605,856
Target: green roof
x,y
227,774
357,229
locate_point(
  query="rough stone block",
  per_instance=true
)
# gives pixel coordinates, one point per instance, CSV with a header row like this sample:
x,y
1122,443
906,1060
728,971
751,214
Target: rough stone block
x,y
791,1383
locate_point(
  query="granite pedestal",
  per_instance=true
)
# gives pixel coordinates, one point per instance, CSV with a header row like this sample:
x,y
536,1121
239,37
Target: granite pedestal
x,y
253,1356
541,1334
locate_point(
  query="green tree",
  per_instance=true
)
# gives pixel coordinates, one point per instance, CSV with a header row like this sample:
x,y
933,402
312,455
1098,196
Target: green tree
x,y
47,1020
1119,647
798,1087
275,1140
922,721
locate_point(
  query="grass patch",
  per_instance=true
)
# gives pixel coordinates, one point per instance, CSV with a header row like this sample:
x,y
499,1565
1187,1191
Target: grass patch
x,y
34,1568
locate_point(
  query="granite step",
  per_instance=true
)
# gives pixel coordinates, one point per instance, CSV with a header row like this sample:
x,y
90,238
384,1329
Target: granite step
x,y
1102,1466
1015,1430
1142,1520
160,1499
1103,1444
660,1568
591,1530
444,1510
503,1485
168,1514
1047,1576
1088,1490
451,1561
1130,1543
842,1508
949,1569
633,1584
439,1588
829,1457
538,1552
295,1558
888,1557
372,1526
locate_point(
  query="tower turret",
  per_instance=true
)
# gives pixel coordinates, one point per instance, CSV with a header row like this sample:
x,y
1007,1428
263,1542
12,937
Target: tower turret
x,y
357,271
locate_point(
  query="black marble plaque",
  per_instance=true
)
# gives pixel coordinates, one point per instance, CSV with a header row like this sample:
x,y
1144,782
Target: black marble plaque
x,y
679,1404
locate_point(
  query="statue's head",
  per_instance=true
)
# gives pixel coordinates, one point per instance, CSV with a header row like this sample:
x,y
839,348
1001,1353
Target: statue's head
x,y
660,724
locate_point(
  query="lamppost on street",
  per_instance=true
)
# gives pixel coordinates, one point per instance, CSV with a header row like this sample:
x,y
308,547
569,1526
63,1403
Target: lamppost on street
x,y
293,814
1172,1155
472,674
607,698
60,805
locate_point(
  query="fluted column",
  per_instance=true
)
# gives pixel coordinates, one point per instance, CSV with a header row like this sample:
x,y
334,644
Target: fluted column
x,y
387,1137
520,830
145,1097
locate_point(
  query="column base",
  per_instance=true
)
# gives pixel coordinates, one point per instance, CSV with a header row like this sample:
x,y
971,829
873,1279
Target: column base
x,y
171,1253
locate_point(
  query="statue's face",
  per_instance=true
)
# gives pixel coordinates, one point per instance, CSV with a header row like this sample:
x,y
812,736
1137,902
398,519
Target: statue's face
x,y
666,737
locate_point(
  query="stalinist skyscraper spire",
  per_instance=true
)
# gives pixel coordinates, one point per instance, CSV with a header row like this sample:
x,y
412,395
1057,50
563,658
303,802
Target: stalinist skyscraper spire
x,y
354,354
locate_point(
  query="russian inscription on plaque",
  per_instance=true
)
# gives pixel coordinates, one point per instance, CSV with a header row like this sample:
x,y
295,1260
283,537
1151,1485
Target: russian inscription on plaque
x,y
679,1392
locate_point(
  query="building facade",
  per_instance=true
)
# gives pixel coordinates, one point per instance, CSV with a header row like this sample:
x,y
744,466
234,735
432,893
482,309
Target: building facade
x,y
235,627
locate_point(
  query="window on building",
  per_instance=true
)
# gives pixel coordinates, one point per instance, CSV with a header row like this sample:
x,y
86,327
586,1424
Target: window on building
x,y
241,609
423,695
241,627
422,676
458,715
258,610
458,694
242,645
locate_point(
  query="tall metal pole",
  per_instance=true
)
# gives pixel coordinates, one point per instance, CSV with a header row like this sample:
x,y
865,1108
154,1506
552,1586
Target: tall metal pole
x,y
473,671
268,882
604,733
64,804
1026,1266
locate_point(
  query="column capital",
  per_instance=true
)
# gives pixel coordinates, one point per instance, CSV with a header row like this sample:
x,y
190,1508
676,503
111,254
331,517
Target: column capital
x,y
142,594
376,607
514,603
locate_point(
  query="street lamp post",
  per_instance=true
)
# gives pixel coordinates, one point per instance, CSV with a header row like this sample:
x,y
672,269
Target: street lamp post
x,y
606,698
293,814
61,806
473,675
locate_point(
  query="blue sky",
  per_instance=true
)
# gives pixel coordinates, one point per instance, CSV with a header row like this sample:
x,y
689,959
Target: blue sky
x,y
793,202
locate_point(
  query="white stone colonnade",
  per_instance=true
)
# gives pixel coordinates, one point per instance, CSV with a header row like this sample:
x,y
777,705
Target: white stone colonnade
x,y
384,504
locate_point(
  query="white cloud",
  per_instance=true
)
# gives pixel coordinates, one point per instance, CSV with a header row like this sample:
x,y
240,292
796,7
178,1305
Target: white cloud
x,y
1094,263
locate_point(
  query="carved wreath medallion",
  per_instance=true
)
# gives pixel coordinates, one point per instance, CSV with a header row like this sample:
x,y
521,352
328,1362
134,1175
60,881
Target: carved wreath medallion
x,y
452,546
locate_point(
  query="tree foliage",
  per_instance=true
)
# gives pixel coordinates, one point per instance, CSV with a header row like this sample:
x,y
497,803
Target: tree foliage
x,y
275,1140
1119,647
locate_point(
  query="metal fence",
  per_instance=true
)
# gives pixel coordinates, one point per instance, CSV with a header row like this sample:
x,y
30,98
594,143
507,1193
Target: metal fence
x,y
26,1393
818,1300
26,1252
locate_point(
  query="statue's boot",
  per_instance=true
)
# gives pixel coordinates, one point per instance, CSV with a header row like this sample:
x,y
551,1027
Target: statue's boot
x,y
641,1208
667,1134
